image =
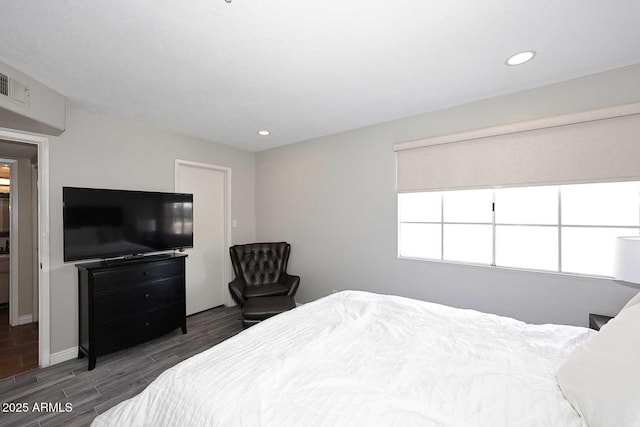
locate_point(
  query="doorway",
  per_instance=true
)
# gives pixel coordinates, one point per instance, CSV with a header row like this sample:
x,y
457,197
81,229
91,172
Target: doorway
x,y
19,340
207,264
42,236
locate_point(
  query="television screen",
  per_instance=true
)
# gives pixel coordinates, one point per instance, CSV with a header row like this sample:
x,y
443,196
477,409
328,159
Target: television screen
x,y
101,223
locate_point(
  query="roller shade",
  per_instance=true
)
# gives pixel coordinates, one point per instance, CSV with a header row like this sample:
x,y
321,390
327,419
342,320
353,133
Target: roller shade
x,y
595,146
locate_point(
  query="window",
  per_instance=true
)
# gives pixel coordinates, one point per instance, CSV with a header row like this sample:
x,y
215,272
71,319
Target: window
x,y
568,229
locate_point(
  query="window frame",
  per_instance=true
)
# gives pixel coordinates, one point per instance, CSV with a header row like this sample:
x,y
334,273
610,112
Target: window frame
x,y
634,230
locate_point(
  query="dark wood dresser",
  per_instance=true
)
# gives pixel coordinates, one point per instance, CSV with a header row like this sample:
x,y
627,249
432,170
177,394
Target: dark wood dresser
x,y
123,303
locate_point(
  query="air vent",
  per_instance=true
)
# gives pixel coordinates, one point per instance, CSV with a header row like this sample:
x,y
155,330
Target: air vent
x,y
14,90
4,85
18,92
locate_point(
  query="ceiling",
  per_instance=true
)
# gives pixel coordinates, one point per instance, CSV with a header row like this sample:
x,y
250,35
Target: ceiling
x,y
304,69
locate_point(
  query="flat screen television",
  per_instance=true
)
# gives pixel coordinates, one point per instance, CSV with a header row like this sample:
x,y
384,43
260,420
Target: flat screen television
x,y
100,223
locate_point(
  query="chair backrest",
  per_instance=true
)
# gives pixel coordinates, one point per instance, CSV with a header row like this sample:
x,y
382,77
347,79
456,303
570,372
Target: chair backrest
x,y
260,263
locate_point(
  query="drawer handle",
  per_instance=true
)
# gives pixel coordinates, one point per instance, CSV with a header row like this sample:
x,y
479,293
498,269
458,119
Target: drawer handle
x,y
146,295
146,324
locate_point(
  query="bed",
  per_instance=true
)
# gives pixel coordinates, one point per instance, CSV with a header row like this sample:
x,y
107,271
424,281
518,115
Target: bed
x,y
357,358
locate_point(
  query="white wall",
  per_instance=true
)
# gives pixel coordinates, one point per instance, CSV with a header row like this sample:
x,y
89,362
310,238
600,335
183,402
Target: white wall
x,y
103,152
334,200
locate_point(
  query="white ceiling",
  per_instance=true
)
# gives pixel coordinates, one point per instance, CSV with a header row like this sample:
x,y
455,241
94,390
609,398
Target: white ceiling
x,y
303,69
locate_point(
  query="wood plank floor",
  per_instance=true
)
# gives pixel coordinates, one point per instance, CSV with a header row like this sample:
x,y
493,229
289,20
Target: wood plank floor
x,y
18,346
117,376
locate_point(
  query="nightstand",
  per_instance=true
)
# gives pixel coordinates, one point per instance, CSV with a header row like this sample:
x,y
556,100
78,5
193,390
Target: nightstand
x,y
597,321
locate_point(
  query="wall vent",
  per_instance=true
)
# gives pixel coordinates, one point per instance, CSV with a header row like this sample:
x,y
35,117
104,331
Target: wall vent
x,y
14,91
4,85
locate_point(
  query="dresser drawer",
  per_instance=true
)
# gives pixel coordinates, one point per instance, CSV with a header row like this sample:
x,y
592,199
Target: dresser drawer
x,y
113,304
114,278
133,330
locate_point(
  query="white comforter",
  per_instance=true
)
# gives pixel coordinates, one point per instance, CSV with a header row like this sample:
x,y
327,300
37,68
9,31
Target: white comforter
x,y
361,359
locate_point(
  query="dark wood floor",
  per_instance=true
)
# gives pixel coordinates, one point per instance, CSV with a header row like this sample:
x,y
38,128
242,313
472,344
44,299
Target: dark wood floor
x,y
18,346
117,376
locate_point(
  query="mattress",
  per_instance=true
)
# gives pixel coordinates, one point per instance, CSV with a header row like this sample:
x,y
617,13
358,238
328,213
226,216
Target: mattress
x,y
362,359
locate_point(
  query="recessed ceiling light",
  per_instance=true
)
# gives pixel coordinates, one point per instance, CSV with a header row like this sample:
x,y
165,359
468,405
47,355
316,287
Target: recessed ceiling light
x,y
264,133
521,58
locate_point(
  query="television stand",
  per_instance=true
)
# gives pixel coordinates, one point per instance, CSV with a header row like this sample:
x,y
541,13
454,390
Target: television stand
x,y
125,303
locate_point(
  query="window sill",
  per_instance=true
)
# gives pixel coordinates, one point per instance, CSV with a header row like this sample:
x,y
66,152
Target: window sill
x,y
526,270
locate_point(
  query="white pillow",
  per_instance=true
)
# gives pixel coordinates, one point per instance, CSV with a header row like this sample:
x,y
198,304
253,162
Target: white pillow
x,y
601,377
633,301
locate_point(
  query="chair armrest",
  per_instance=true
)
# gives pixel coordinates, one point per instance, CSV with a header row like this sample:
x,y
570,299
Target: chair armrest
x,y
291,282
237,289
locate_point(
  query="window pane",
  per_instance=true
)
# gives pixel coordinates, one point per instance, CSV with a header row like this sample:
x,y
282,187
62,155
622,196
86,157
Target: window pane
x,y
601,204
590,250
528,205
468,206
468,243
420,241
420,207
527,247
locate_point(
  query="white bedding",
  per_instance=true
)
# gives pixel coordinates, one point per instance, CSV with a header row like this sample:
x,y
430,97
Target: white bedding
x,y
361,359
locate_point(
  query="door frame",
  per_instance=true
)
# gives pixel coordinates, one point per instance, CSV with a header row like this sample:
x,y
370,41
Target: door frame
x,y
226,274
44,330
14,243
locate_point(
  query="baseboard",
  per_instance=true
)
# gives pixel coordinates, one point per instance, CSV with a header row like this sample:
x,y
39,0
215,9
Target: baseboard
x,y
23,320
63,356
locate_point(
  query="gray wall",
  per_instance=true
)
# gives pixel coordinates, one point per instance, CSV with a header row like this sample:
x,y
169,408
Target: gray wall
x,y
25,236
45,113
24,257
103,152
334,200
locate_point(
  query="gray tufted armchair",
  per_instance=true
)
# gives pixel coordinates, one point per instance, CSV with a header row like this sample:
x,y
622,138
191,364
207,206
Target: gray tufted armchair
x,y
261,271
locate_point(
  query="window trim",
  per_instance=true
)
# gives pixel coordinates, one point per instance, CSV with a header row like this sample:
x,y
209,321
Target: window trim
x,y
500,267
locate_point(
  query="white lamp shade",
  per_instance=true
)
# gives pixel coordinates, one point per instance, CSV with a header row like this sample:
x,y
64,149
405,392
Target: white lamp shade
x,y
627,259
